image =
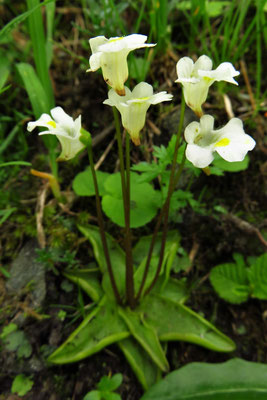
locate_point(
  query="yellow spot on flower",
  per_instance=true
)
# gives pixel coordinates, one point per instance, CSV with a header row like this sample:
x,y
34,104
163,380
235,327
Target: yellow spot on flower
x,y
52,123
115,40
143,98
222,142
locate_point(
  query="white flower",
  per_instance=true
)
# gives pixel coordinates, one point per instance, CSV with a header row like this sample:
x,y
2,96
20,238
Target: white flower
x,y
197,77
111,55
230,142
65,128
134,105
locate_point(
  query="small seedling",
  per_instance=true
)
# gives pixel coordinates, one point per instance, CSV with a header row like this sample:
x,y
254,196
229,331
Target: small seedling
x,y
235,282
16,340
106,387
21,385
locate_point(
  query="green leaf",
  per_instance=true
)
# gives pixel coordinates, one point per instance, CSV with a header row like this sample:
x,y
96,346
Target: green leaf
x,y
38,98
144,201
3,270
181,262
93,395
99,329
239,259
138,68
11,163
16,340
149,171
36,31
146,336
257,275
110,396
88,281
173,290
4,69
4,89
216,8
174,321
110,383
165,154
180,199
144,368
5,214
138,276
17,20
141,248
140,253
21,385
83,184
50,16
34,88
231,282
25,349
7,330
234,380
117,258
231,166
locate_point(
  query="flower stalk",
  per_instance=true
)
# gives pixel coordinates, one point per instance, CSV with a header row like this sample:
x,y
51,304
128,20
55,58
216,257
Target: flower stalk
x,y
125,185
165,214
86,139
53,182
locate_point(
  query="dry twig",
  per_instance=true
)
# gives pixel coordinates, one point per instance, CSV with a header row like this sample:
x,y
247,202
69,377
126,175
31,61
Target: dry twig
x,y
39,215
104,155
228,106
247,82
245,226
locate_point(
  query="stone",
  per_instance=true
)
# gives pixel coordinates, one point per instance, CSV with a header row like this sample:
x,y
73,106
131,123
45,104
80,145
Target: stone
x,y
26,270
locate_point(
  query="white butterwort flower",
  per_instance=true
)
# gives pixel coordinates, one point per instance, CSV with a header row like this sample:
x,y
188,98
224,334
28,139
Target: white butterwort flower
x,y
230,142
134,105
65,128
111,55
197,77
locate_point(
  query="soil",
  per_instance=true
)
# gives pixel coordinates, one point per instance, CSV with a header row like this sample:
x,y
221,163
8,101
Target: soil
x,y
212,240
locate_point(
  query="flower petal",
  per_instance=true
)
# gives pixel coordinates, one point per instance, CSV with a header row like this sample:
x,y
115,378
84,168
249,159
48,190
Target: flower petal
x,y
42,121
78,125
131,42
200,157
70,147
96,42
238,143
61,117
236,151
184,68
160,97
115,100
224,72
136,39
141,90
95,62
203,63
206,123
191,132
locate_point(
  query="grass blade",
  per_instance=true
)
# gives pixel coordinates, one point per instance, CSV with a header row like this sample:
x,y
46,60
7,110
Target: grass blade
x,y
36,31
38,98
50,16
20,18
